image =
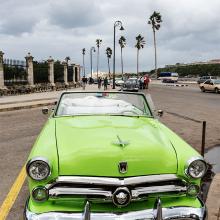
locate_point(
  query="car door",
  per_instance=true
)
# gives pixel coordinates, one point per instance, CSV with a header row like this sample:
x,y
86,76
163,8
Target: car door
x,y
211,86
207,84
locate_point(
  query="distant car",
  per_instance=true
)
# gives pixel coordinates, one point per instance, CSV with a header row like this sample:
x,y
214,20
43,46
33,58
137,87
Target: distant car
x,y
119,82
210,85
131,84
204,78
95,81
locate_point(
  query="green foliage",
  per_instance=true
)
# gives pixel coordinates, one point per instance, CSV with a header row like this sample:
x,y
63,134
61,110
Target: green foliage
x,y
40,72
122,41
14,72
109,52
58,72
193,70
98,42
155,20
140,42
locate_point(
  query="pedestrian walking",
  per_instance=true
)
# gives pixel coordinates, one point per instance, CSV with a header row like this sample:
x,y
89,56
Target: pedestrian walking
x,y
99,83
106,83
84,80
146,82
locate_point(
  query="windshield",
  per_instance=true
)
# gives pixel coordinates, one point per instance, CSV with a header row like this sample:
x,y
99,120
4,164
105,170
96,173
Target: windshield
x,y
103,103
132,80
217,81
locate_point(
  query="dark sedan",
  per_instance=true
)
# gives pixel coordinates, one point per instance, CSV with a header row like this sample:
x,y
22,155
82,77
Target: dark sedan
x,y
131,85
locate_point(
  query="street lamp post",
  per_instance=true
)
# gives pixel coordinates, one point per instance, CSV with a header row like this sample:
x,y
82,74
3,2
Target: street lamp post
x,y
116,24
92,49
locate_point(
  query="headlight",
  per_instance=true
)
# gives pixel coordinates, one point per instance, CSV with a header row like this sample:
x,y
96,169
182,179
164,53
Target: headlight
x,y
38,169
40,194
196,168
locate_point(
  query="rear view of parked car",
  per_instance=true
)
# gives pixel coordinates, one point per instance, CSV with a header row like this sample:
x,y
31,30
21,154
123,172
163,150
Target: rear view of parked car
x,y
131,84
210,85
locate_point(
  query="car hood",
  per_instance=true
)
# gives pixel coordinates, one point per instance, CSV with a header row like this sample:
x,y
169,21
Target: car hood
x,y
89,146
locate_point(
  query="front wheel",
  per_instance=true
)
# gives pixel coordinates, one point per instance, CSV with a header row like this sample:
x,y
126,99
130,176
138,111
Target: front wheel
x,y
202,89
216,90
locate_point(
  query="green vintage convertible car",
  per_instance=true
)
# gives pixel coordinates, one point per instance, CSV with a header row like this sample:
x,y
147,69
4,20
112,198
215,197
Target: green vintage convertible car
x,y
104,155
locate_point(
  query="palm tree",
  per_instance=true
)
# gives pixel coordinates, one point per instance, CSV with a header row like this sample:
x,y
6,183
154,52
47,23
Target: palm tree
x,y
140,42
109,55
83,53
155,20
122,43
67,59
98,43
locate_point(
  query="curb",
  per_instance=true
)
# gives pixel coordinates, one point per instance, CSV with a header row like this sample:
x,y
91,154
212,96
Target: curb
x,y
213,199
13,108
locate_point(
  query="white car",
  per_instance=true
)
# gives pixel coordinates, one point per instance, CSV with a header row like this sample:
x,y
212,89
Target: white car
x,y
210,85
119,82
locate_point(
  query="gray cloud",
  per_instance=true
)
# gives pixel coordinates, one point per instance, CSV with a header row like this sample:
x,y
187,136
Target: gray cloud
x,y
190,30
75,14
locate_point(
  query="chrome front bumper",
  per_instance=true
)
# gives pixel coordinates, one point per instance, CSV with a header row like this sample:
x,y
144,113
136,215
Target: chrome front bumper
x,y
158,213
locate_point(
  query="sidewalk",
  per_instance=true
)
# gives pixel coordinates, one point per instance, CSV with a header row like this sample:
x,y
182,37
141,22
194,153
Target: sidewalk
x,y
33,100
213,199
9,103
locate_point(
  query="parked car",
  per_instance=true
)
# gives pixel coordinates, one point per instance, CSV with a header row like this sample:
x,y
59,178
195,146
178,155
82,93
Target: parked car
x,y
204,78
131,84
119,82
210,85
104,155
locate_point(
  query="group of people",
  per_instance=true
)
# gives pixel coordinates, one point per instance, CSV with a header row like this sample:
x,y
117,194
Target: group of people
x,y
103,82
100,81
144,82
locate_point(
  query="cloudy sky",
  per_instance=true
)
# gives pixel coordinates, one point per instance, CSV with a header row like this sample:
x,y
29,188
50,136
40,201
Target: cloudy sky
x,y
190,30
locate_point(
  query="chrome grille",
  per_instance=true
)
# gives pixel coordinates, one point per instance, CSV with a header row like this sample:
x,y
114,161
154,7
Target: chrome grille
x,y
101,189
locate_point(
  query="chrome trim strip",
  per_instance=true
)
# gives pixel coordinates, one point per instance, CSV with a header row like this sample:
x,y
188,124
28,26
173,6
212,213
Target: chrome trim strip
x,y
157,189
57,191
109,181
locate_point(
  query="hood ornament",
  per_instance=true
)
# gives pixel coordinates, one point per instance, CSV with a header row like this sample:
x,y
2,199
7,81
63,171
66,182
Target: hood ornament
x,y
120,142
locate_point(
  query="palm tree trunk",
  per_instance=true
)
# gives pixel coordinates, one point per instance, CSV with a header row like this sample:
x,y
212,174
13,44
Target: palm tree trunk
x,y
83,65
109,73
98,63
155,52
137,62
122,65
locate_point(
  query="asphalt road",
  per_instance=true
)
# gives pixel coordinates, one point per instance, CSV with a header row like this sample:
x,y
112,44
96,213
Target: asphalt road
x,y
184,107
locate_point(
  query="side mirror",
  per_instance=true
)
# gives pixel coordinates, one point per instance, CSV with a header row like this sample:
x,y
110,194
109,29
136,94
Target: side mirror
x,y
160,113
45,111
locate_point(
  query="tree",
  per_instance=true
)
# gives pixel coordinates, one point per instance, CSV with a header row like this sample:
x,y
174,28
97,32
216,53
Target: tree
x,y
109,55
140,42
122,43
155,20
67,59
83,53
98,43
